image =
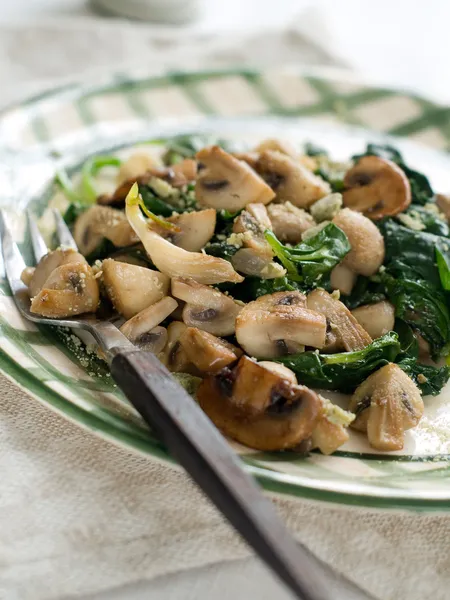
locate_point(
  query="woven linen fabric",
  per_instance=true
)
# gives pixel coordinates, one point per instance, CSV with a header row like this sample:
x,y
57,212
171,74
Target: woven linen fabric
x,y
79,515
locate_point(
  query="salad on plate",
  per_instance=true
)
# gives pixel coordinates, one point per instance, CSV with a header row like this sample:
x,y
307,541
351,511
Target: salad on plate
x,y
264,277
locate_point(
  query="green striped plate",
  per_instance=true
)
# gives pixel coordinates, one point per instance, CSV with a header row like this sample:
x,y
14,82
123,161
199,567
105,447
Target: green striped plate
x,y
62,127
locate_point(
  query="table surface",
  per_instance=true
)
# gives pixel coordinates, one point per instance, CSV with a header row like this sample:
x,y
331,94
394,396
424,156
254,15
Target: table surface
x,y
411,64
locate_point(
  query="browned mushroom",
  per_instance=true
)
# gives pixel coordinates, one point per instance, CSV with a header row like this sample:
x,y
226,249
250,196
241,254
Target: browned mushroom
x,y
367,249
279,324
136,165
206,352
132,288
177,176
386,404
224,182
174,357
289,222
71,289
253,229
340,320
443,204
291,180
195,229
343,279
277,145
206,308
143,329
377,319
280,370
36,277
258,408
376,187
99,222
331,430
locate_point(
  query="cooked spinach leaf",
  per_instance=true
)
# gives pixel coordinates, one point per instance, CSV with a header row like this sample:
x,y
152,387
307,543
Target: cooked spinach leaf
x,y
428,378
224,222
73,211
312,150
103,250
430,221
421,191
163,207
415,278
155,204
412,254
309,261
221,250
443,264
365,291
343,371
423,307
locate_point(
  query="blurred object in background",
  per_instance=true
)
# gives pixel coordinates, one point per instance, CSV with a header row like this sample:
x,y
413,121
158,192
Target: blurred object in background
x,y
159,11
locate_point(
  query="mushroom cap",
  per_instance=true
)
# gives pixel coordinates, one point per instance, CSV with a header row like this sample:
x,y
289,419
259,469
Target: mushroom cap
x,y
343,279
367,244
340,320
206,308
197,228
258,408
208,353
377,319
100,222
386,404
132,288
27,275
153,341
224,182
259,212
289,221
376,187
47,264
135,165
279,324
138,327
71,289
443,203
291,180
251,262
276,145
280,370
174,356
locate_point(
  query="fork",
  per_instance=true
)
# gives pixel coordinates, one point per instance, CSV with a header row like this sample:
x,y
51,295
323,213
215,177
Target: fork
x,y
189,435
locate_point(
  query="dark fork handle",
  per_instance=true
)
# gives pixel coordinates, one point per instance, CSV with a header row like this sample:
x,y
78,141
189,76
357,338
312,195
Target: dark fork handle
x,y
198,446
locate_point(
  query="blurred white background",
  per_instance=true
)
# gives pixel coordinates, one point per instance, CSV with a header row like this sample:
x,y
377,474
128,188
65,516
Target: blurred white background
x,y
397,42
